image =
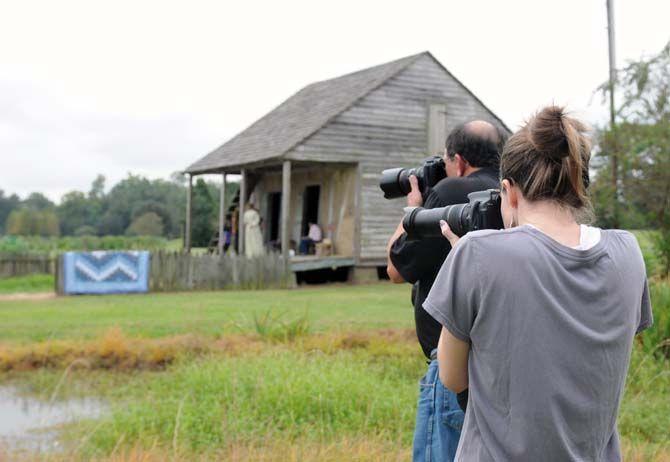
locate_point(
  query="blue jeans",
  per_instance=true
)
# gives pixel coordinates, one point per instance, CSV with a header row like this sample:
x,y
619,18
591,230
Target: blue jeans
x,y
305,244
439,420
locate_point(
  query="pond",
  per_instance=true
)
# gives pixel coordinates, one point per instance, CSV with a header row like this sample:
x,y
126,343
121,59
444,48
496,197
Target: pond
x,y
29,424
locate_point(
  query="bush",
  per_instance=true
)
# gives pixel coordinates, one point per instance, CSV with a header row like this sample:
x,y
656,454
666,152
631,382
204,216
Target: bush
x,y
85,230
13,245
147,224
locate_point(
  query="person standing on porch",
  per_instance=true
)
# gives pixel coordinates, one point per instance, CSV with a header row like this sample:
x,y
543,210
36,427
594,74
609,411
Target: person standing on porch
x,y
253,239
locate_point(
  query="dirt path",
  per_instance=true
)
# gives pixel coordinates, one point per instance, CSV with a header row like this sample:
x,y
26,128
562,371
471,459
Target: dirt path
x,y
27,296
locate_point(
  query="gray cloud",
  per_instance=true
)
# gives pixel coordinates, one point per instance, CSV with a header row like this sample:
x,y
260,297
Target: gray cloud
x,y
50,147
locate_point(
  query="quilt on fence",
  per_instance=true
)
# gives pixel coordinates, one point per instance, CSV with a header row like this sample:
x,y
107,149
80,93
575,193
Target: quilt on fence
x,y
103,272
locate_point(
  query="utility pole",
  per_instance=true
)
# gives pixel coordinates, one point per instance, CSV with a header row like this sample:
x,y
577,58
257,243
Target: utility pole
x,y
613,146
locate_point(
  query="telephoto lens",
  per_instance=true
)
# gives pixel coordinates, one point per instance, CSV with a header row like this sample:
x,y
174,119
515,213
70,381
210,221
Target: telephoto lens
x,y
395,181
422,223
481,212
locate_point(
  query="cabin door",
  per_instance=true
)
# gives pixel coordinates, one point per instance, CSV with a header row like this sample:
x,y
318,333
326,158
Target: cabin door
x,y
310,208
273,217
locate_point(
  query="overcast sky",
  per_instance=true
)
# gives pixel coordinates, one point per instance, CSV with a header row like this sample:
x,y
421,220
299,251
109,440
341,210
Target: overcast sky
x,y
148,87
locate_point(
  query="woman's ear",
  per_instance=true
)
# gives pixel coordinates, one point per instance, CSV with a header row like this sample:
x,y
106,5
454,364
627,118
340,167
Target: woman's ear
x,y
511,192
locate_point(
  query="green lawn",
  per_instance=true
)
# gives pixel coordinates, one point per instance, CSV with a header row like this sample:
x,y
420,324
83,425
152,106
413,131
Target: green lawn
x,y
27,284
342,387
204,313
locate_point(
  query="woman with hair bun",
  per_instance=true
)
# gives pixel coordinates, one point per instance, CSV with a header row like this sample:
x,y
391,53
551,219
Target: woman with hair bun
x,y
539,318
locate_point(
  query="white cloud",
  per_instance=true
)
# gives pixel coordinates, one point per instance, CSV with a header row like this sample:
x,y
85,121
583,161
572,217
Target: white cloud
x,y
148,87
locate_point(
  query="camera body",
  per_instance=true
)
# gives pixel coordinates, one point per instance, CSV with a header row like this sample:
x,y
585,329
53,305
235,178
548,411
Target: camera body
x,y
481,212
395,181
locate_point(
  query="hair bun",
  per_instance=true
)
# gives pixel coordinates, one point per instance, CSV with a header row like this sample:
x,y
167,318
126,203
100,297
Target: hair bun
x,y
547,133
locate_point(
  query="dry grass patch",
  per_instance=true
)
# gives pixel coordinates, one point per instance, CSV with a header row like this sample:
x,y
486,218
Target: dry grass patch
x,y
645,453
355,450
116,351
113,350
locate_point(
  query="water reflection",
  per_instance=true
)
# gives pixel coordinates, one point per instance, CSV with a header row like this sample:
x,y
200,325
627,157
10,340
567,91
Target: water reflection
x,y
28,424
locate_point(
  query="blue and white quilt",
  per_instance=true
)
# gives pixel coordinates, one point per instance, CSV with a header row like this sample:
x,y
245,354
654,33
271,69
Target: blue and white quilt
x,y
105,272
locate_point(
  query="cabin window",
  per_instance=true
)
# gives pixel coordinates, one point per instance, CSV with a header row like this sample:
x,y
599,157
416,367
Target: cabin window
x,y
437,129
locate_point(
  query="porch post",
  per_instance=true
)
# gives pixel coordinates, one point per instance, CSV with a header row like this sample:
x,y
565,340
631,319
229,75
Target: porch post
x,y
187,231
240,217
285,210
331,198
222,212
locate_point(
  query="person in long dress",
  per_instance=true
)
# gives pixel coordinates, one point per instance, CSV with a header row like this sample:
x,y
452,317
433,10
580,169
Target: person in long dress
x,y
253,238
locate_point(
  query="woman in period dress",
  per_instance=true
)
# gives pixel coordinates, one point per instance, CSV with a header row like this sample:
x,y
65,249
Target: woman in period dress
x,y
253,239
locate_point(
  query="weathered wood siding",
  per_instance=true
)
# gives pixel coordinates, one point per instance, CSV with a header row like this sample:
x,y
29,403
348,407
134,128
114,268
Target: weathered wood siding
x,y
388,128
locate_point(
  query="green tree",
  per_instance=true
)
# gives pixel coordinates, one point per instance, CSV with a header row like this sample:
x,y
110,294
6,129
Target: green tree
x,y
7,204
147,224
642,142
38,201
97,190
135,195
30,222
203,215
77,210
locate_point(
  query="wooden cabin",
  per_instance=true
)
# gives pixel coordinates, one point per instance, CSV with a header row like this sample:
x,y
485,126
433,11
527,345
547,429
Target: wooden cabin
x,y
318,156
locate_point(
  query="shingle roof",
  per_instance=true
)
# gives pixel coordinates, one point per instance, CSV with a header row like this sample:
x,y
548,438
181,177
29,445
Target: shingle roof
x,y
298,117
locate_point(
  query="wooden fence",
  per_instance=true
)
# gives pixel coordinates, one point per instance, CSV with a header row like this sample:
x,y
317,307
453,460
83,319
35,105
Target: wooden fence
x,y
23,265
172,271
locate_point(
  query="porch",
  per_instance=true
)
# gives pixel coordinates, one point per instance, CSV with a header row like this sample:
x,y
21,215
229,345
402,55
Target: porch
x,y
288,196
313,262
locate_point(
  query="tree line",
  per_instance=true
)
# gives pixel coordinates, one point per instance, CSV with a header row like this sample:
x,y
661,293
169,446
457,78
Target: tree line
x,y
634,196
135,206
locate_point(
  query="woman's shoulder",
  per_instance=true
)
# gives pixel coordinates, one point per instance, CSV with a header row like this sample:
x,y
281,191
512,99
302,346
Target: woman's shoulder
x,y
495,242
494,236
623,243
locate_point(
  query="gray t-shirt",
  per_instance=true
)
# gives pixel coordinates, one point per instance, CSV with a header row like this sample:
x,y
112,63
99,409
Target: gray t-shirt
x,y
551,330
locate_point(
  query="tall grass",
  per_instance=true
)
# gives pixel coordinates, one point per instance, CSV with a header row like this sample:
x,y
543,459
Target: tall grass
x,y
645,411
279,395
296,395
657,339
273,325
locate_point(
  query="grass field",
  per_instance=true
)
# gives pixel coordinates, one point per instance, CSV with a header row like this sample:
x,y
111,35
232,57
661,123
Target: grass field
x,y
325,373
203,313
27,284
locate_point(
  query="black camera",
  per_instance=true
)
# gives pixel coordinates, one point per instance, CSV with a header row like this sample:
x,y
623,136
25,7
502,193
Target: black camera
x,y
395,181
481,212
